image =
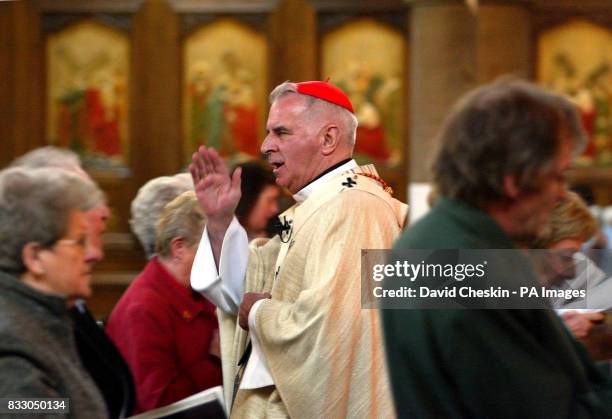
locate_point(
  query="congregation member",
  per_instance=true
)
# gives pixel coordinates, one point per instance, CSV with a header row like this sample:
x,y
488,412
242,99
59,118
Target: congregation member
x,y
571,224
294,339
149,203
43,270
258,203
499,172
167,333
98,354
51,156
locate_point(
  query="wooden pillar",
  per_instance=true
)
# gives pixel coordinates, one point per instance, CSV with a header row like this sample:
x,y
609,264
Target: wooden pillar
x,y
156,92
6,83
442,67
21,84
503,41
453,49
293,42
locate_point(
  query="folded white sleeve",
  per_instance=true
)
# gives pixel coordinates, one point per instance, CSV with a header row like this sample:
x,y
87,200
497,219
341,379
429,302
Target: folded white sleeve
x,y
225,287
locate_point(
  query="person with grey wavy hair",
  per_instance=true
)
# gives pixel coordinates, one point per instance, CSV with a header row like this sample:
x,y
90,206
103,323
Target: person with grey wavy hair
x,y
97,353
35,206
62,158
43,269
151,199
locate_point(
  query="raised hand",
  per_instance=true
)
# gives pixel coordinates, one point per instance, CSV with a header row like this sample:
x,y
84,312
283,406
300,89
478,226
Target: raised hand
x,y
217,193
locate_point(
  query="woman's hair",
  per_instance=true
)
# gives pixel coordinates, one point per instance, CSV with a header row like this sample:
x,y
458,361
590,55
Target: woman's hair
x,y
149,203
182,217
253,180
35,206
570,219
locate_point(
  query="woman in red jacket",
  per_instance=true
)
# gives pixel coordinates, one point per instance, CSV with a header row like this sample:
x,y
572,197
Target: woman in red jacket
x,y
167,333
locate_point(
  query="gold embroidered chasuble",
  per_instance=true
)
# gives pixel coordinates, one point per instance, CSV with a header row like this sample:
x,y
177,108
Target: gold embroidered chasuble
x,y
324,352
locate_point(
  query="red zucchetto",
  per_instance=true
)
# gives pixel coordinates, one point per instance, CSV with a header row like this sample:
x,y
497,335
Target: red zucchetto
x,y
325,91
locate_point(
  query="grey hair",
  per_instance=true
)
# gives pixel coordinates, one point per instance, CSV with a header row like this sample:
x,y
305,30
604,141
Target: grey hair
x,y
149,203
182,217
347,119
35,206
49,156
509,127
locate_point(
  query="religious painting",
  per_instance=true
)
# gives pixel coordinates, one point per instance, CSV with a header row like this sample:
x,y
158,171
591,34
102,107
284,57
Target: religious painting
x,y
575,59
87,93
366,59
225,89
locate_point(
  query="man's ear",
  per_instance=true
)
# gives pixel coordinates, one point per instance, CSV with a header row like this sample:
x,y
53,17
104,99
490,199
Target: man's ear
x,y
30,255
511,188
330,140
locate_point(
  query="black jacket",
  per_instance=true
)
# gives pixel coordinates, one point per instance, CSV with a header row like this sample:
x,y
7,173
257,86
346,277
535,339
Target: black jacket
x,y
104,363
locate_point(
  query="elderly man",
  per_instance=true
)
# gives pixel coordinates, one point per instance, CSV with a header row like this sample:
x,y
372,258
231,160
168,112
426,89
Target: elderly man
x,y
499,173
314,353
99,355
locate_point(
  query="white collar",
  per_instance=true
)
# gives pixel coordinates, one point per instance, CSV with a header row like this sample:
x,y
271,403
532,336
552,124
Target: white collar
x,y
307,190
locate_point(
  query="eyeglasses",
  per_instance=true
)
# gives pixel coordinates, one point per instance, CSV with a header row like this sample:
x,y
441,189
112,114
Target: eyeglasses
x,y
83,242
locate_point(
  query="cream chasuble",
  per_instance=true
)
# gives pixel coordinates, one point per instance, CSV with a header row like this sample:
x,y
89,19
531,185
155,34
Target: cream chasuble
x,y
324,352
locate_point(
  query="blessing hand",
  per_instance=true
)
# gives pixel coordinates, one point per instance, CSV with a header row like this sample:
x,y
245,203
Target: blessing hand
x,y
217,192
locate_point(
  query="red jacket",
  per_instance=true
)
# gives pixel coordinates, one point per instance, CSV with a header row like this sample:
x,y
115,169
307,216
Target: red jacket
x,y
164,330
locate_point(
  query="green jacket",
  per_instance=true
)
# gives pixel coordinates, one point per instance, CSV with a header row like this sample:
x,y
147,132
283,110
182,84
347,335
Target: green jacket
x,y
485,363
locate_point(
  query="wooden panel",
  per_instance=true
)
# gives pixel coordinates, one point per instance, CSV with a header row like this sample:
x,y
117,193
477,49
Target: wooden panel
x,y
573,6
89,6
105,296
597,179
156,145
550,13
226,6
123,252
503,42
7,108
442,38
594,175
28,93
358,6
293,43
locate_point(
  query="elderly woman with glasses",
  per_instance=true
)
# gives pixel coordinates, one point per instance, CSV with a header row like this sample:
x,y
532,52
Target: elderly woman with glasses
x,y
43,270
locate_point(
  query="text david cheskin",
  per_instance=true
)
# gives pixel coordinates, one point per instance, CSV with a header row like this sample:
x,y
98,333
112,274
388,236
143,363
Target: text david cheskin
x,y
413,271
457,272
